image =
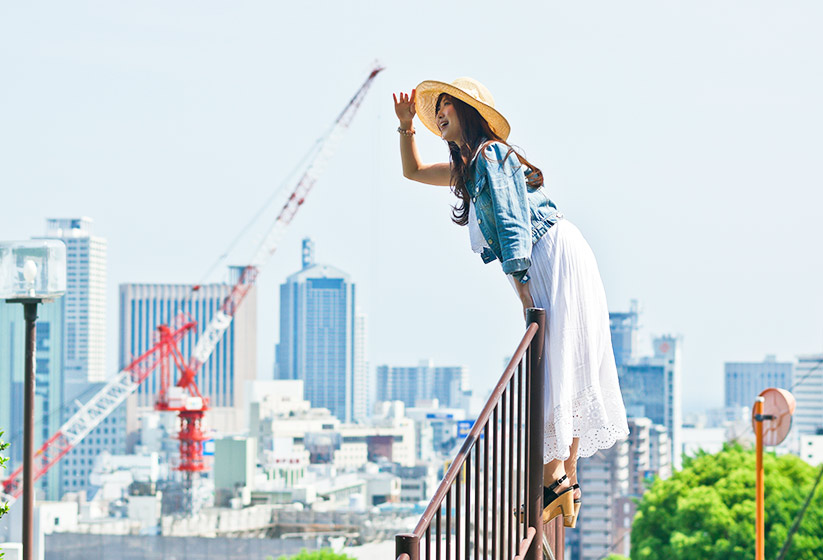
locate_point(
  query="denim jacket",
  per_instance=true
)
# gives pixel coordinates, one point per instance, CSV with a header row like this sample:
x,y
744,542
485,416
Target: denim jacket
x,y
511,215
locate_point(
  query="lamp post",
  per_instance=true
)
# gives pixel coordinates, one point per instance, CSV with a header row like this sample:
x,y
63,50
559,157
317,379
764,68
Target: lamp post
x,y
31,273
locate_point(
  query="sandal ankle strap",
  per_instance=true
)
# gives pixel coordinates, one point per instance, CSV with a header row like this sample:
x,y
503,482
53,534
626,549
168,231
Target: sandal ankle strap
x,y
556,483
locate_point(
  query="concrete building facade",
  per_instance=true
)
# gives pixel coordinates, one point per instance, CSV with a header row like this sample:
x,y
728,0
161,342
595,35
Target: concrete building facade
x,y
449,384
808,391
601,528
110,436
746,380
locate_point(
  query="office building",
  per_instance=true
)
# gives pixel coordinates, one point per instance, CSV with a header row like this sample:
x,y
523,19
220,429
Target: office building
x,y
624,327
602,525
651,385
649,455
322,341
424,382
85,300
222,379
746,380
808,392
48,372
613,480
651,388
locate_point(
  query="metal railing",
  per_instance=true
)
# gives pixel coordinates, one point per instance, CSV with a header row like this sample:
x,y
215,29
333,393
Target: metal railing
x,y
490,501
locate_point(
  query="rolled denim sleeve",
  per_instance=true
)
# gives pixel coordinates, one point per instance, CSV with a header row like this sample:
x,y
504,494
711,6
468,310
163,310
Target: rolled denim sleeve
x,y
507,187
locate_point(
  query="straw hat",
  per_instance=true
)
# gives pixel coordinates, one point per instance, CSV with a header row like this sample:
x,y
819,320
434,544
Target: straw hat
x,y
469,91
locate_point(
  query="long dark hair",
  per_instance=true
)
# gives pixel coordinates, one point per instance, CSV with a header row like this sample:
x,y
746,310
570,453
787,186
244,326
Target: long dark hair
x,y
476,135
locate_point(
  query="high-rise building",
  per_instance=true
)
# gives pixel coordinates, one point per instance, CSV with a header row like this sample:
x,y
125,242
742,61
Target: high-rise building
x,y
808,392
601,530
651,385
48,372
615,479
222,379
746,380
85,300
624,326
651,388
649,454
449,385
322,341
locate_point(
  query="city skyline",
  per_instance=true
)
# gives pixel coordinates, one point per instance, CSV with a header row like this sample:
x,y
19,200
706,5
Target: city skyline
x,y
666,157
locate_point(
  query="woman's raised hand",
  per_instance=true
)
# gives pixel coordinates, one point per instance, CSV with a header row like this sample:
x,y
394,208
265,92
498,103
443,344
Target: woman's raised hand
x,y
404,107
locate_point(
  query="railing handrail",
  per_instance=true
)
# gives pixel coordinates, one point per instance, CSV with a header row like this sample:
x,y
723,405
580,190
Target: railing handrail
x,y
526,476
474,434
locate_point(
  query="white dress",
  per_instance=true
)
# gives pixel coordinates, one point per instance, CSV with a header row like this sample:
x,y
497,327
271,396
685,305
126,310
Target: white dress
x,y
582,395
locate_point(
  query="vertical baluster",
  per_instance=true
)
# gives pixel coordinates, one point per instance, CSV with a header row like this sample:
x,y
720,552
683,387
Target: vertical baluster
x,y
429,542
527,424
457,507
467,534
517,500
449,524
486,490
439,542
477,502
511,503
505,512
494,468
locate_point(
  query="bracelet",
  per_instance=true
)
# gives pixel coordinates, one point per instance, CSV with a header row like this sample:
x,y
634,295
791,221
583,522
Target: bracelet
x,y
405,132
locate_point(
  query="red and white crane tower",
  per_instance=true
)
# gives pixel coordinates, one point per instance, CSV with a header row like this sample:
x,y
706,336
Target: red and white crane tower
x,y
183,396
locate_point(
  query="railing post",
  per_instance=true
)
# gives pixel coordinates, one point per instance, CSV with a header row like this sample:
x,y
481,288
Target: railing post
x,y
534,485
407,544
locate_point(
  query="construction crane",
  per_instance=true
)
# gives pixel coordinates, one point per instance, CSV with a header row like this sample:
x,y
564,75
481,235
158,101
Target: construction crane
x,y
183,396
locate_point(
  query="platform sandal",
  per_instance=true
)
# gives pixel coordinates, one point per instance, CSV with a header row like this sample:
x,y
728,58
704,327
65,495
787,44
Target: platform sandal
x,y
559,504
577,503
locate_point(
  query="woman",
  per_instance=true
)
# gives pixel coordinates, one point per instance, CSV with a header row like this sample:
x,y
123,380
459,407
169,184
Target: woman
x,y
510,218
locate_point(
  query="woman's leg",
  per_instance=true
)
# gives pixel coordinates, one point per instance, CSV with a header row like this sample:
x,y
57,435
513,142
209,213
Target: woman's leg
x,y
570,465
552,471
556,468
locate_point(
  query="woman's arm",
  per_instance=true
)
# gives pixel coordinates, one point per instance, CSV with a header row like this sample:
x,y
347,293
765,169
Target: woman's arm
x,y
512,216
431,174
524,294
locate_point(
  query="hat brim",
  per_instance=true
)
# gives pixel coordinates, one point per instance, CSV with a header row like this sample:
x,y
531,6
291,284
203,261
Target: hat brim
x,y
425,101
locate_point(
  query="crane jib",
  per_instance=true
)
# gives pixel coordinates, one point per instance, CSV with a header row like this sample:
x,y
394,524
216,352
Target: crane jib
x,y
126,382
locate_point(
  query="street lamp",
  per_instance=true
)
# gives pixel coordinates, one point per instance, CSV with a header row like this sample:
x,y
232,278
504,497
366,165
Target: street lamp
x,y
31,272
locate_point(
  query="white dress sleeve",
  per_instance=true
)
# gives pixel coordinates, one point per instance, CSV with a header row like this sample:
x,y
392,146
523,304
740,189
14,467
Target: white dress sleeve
x,y
478,242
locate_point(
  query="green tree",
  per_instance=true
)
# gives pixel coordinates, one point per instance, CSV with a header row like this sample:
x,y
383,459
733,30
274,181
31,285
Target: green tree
x,y
324,554
706,511
4,507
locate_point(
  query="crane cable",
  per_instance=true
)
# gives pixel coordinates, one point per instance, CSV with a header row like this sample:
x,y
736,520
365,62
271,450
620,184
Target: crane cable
x,y
244,230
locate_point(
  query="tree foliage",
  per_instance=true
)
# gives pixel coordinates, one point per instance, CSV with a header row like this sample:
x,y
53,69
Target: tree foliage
x,y
4,508
706,511
324,554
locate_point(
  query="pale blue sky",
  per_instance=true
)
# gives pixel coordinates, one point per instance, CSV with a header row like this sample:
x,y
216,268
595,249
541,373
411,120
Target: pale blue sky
x,y
683,138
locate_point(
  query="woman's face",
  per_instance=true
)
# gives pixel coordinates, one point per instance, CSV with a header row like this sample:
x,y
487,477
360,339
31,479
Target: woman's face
x,y
447,121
